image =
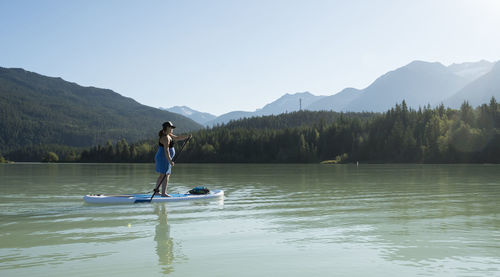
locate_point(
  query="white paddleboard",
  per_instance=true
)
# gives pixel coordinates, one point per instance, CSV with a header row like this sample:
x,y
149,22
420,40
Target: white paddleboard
x,y
141,198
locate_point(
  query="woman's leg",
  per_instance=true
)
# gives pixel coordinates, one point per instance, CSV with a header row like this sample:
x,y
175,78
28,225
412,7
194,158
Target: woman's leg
x,y
160,179
164,186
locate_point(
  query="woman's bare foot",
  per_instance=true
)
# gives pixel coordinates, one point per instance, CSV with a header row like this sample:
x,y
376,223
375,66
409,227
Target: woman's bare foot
x,y
165,195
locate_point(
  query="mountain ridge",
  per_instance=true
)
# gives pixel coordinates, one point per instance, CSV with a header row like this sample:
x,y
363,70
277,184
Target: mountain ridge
x,y
289,102
336,102
440,82
37,109
478,91
418,83
471,70
199,117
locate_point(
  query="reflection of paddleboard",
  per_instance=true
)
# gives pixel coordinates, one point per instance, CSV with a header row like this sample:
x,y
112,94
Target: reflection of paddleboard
x,y
138,198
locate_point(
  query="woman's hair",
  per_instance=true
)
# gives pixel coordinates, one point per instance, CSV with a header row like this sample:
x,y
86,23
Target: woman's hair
x,y
161,133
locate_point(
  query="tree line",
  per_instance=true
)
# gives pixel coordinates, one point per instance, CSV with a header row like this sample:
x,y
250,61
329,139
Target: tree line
x,y
402,134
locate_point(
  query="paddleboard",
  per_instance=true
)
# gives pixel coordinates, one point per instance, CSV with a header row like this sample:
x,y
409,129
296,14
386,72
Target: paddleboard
x,y
141,198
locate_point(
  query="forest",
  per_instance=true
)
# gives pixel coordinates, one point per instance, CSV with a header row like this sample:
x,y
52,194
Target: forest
x,y
42,111
400,135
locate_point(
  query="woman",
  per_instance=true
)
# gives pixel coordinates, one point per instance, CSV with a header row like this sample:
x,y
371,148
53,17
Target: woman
x,y
164,156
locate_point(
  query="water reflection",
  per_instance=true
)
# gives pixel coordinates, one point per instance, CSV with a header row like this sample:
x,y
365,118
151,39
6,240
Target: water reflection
x,y
164,243
421,216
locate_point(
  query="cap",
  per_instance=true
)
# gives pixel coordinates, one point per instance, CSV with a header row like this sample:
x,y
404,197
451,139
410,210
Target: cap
x,y
168,124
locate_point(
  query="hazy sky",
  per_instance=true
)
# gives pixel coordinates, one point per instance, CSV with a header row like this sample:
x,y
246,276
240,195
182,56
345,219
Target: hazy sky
x,y
219,56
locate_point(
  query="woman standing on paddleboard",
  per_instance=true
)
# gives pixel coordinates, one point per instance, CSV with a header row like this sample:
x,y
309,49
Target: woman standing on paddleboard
x,y
164,156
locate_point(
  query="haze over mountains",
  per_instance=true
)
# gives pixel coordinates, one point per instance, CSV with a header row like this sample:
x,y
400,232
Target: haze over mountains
x,y
419,83
478,91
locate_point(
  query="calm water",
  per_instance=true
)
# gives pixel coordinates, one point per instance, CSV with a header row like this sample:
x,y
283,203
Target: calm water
x,y
276,220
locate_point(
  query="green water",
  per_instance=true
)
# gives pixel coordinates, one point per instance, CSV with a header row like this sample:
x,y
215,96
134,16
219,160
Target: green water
x,y
276,220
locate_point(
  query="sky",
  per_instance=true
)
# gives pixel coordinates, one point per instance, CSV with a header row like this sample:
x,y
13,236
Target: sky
x,y
219,56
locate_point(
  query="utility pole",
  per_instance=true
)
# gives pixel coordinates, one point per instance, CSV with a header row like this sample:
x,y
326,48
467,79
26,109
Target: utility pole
x,y
300,104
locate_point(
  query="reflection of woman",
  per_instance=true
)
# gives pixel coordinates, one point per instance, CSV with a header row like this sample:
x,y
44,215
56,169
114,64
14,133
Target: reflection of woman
x,y
164,243
164,156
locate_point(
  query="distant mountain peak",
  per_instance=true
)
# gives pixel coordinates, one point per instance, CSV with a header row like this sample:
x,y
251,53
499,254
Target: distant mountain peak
x,y
336,102
423,66
197,116
471,70
183,109
304,93
289,103
480,90
469,64
348,90
419,83
423,63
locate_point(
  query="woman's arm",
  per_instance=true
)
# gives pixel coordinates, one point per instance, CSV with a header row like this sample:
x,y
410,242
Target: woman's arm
x,y
180,137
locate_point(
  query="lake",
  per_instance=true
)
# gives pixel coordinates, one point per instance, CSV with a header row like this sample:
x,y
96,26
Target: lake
x,y
275,220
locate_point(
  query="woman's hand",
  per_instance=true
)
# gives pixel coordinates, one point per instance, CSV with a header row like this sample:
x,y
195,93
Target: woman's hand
x,y
172,163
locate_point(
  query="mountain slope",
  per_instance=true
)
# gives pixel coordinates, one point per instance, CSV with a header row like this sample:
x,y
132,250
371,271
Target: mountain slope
x,y
286,103
337,102
418,83
479,91
227,117
289,103
471,70
197,116
36,109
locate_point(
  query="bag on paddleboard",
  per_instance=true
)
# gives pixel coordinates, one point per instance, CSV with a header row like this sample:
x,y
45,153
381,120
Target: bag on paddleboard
x,y
199,190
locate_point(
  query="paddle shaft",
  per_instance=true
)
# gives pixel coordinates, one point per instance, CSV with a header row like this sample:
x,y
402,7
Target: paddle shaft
x,y
173,160
182,148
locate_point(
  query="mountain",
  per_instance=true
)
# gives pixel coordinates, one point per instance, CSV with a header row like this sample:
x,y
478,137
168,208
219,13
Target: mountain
x,y
418,83
337,102
41,110
471,70
289,103
286,103
197,116
479,91
227,117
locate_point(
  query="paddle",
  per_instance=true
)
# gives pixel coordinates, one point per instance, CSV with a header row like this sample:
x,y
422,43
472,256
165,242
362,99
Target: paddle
x,y
173,159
